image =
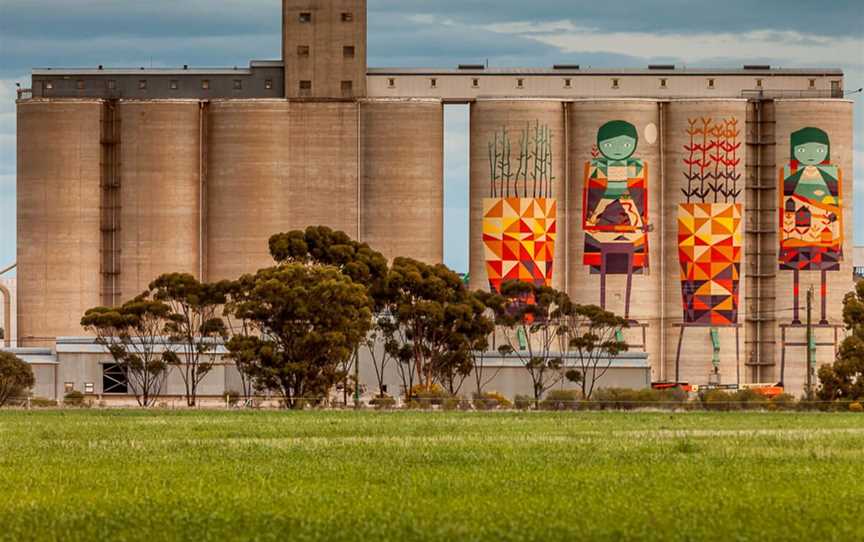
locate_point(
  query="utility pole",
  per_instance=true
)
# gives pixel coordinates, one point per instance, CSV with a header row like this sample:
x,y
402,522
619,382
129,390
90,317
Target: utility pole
x,y
811,360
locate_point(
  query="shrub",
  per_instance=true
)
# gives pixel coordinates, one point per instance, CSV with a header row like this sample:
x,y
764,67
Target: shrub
x,y
74,398
561,400
16,377
856,407
383,402
738,400
784,401
428,397
42,402
523,402
629,399
490,401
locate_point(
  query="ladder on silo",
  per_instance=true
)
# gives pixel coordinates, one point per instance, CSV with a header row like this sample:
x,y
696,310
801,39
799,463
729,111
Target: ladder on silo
x,y
760,251
110,184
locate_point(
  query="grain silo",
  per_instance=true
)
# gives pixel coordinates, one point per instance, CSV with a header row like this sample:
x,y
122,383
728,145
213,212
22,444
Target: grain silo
x,y
704,210
614,203
59,156
161,176
517,172
275,166
403,179
813,181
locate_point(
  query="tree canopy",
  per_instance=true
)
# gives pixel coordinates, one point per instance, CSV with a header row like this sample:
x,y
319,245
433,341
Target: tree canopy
x,y
306,320
844,379
16,377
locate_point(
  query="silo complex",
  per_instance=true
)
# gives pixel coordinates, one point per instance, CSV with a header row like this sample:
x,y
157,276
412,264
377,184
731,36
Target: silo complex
x,y
59,156
615,208
704,220
160,194
703,205
403,179
275,166
517,192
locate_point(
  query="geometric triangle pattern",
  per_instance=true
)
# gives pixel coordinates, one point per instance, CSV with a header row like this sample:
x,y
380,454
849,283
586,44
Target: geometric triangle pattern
x,y
709,250
519,238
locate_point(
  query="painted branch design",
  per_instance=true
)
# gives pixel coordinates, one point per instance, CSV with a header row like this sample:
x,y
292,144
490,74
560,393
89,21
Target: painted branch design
x,y
712,161
533,176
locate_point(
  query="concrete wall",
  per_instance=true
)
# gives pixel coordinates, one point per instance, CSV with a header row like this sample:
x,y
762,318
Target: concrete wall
x,y
324,35
458,85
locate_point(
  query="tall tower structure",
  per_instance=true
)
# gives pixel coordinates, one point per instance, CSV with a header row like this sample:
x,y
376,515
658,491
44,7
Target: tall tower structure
x,y
324,48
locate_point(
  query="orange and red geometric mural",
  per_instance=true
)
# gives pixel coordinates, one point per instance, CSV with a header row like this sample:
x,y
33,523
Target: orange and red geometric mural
x,y
519,237
710,237
709,251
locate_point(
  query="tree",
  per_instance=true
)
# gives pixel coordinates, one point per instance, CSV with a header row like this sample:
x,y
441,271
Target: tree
x,y
481,346
194,322
16,377
437,319
532,322
594,334
134,334
844,379
383,330
305,320
324,246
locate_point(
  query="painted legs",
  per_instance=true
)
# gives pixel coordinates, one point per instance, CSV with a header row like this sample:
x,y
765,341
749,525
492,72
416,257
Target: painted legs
x,y
604,257
629,285
796,296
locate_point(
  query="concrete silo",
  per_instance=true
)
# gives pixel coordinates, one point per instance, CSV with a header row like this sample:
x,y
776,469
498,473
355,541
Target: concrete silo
x,y
615,207
517,173
161,177
812,178
59,155
276,166
403,178
704,220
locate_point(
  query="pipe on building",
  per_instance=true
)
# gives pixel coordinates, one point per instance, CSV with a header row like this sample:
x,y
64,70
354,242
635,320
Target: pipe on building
x,y
662,115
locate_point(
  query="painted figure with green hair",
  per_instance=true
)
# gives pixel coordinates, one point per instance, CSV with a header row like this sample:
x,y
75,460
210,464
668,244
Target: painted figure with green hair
x,y
615,208
811,212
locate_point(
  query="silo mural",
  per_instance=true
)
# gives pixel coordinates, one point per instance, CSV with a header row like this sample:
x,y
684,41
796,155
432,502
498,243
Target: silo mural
x,y
811,213
615,208
709,224
520,213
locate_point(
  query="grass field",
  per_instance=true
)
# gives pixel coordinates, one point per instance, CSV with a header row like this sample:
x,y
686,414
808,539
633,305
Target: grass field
x,y
113,475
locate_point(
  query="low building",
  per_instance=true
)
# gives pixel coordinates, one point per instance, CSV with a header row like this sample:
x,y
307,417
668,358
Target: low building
x,y
81,364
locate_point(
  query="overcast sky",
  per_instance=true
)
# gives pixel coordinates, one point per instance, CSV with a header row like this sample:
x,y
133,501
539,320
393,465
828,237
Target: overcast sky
x,y
431,33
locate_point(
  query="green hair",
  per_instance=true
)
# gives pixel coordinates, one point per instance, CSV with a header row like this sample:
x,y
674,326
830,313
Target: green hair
x,y
810,135
615,129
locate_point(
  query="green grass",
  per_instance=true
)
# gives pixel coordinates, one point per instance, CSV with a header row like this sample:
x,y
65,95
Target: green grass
x,y
151,476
